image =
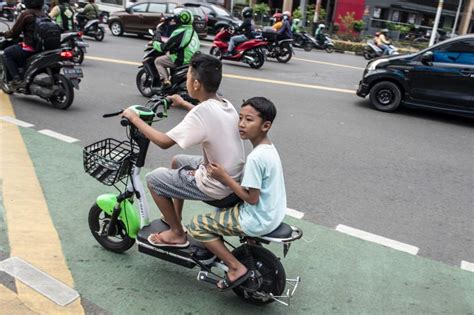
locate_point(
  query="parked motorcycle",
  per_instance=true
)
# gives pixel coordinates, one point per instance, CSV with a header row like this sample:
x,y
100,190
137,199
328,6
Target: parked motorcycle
x,y
74,41
49,74
148,79
372,51
117,221
249,52
281,50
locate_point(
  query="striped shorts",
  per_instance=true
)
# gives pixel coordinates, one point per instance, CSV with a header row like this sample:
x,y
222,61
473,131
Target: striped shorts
x,y
221,222
178,183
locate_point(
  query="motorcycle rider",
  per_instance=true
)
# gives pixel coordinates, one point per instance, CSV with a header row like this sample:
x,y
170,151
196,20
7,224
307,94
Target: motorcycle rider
x,y
383,42
278,17
179,48
320,34
63,15
15,56
285,30
246,29
90,12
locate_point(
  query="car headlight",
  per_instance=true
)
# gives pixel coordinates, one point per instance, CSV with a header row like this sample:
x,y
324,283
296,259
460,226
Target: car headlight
x,y
373,65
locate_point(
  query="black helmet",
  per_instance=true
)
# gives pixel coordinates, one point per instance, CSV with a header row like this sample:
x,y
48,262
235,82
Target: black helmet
x,y
33,4
247,12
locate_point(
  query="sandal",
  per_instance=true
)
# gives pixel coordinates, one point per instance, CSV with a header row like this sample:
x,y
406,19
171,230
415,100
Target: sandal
x,y
176,245
228,285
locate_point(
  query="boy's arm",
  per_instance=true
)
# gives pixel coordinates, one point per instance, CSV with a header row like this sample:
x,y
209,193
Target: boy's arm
x,y
155,136
250,196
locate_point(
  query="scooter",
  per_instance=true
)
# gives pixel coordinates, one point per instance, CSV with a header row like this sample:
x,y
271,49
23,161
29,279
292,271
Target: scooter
x,y
249,52
74,41
372,51
93,29
281,50
148,79
118,221
50,75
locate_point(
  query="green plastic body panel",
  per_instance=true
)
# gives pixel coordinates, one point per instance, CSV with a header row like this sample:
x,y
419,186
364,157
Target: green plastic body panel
x,y
128,215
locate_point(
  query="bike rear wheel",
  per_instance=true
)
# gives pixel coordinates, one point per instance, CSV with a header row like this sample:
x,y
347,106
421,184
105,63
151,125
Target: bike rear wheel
x,y
65,96
285,53
99,223
269,277
144,83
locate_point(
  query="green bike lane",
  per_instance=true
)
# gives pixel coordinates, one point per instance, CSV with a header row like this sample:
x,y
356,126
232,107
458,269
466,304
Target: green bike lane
x,y
340,274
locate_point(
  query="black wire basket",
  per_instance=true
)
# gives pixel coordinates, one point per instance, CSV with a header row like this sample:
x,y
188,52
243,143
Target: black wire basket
x,y
109,160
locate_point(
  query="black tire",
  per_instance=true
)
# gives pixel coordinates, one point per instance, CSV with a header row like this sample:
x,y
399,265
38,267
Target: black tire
x,y
65,97
367,55
308,46
385,96
285,53
270,275
98,224
78,56
116,28
144,83
259,58
216,52
100,34
330,49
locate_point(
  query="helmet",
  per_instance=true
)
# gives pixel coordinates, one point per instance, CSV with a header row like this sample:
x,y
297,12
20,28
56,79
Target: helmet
x,y
33,4
247,12
296,21
185,17
384,30
286,15
277,16
321,26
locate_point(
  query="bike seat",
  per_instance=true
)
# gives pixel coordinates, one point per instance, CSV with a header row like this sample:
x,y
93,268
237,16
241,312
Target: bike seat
x,y
226,202
282,231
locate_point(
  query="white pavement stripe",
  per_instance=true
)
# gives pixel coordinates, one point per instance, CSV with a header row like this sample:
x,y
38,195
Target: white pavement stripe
x,y
58,135
294,213
467,266
16,121
378,239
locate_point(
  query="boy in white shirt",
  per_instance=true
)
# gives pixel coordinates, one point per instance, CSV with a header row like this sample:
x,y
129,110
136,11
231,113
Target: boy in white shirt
x,y
211,124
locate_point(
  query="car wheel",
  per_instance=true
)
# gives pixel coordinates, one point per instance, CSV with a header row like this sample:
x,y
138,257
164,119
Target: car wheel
x,y
116,28
385,96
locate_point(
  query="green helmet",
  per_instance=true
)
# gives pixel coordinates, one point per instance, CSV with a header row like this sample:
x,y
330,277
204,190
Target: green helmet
x,y
185,17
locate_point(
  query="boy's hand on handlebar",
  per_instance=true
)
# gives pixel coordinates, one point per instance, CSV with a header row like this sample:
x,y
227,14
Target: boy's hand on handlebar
x,y
176,100
216,171
130,114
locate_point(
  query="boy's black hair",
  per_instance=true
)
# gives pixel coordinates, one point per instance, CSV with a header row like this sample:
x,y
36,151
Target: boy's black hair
x,y
265,108
207,70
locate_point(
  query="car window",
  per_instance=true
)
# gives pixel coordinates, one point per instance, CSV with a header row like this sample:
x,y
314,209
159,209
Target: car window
x,y
196,11
458,52
157,8
220,11
171,7
139,7
207,10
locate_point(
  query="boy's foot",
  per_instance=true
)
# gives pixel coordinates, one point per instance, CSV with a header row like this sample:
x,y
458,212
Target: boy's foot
x,y
231,281
168,239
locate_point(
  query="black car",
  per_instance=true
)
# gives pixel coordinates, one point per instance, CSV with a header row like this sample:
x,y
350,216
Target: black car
x,y
217,17
440,77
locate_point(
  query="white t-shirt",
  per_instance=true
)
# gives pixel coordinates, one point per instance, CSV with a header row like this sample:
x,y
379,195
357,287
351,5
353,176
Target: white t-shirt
x,y
214,125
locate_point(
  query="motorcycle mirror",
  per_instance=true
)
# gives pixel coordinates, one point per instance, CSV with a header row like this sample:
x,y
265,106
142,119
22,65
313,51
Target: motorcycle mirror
x,y
427,58
150,31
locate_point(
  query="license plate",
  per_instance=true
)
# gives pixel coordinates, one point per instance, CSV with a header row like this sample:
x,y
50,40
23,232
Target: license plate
x,y
73,72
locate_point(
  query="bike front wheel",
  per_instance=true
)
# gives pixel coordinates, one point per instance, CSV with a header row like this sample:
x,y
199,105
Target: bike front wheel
x,y
99,224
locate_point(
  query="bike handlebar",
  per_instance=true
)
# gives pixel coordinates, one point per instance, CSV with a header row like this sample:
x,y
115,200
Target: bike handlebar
x,y
154,103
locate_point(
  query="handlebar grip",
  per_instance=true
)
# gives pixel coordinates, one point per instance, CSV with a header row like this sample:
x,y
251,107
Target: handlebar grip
x,y
112,114
124,121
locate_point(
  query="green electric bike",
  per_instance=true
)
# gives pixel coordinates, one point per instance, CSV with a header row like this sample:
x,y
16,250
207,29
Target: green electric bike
x,y
117,221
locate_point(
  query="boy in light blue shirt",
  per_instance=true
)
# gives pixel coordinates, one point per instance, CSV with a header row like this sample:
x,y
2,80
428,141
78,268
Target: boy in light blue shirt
x,y
262,191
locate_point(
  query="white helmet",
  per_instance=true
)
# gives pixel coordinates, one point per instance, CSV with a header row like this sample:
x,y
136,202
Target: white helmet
x,y
321,26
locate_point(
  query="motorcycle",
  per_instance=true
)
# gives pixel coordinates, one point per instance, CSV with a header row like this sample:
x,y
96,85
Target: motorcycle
x,y
372,51
148,79
93,29
49,74
308,42
74,41
281,49
117,221
249,52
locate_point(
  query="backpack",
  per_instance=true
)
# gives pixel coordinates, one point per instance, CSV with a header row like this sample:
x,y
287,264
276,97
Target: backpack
x,y
67,17
47,34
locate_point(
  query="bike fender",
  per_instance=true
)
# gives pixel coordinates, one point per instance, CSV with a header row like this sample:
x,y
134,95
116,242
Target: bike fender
x,y
129,215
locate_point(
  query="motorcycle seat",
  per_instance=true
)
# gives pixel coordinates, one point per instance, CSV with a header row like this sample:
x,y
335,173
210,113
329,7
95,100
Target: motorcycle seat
x,y
282,231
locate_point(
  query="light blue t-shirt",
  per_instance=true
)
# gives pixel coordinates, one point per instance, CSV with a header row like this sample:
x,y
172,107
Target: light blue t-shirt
x,y
263,171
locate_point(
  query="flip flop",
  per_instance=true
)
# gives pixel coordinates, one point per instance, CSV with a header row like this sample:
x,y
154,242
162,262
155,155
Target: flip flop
x,y
175,245
228,285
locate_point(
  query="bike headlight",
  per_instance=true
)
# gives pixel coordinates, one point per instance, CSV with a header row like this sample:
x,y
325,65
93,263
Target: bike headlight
x,y
373,65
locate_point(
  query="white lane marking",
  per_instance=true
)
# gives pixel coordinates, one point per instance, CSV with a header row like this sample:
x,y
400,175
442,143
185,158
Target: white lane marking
x,y
467,266
378,239
294,213
329,63
58,136
16,121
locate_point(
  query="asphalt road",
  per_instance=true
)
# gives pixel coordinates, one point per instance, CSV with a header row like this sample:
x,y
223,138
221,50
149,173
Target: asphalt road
x,y
406,176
